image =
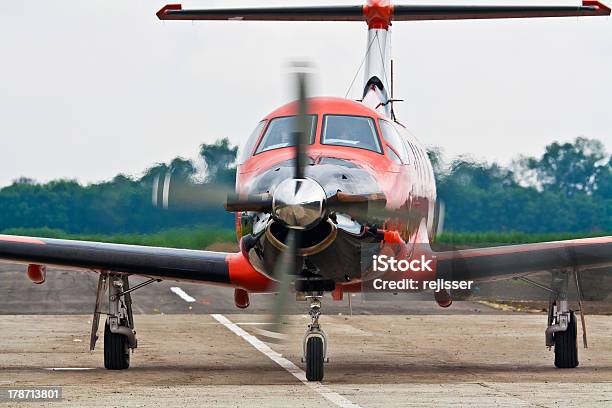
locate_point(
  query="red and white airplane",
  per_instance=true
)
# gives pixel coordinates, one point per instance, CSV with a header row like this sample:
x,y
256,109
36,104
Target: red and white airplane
x,y
319,180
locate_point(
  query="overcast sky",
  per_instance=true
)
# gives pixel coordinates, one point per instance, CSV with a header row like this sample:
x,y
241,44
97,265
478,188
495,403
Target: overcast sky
x,y
89,89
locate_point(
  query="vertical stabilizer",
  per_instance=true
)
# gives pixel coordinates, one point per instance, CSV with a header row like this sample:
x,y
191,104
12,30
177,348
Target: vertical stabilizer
x,y
377,80
378,14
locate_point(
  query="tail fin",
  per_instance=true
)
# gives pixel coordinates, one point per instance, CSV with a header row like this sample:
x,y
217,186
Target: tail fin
x,y
379,14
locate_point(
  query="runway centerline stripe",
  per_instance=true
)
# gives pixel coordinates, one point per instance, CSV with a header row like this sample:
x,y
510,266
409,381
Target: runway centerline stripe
x,y
296,371
181,293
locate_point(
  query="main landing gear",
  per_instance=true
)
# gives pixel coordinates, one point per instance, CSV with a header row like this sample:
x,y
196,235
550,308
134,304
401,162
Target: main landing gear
x,y
315,341
564,339
561,332
119,333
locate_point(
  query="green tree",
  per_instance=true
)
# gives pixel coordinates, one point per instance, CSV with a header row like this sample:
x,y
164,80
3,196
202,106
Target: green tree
x,y
220,159
488,197
569,168
182,169
603,181
157,170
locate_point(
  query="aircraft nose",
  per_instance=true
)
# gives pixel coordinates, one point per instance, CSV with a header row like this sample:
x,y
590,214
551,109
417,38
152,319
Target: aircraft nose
x,y
299,203
331,174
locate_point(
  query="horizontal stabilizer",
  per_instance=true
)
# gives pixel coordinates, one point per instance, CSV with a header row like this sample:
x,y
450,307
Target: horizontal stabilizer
x,y
381,10
415,12
307,13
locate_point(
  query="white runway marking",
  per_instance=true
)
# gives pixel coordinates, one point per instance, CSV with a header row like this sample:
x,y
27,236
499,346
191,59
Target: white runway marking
x,y
69,368
296,371
181,293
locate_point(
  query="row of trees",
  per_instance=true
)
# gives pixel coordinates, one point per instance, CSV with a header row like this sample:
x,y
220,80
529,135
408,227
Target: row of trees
x,y
567,189
122,205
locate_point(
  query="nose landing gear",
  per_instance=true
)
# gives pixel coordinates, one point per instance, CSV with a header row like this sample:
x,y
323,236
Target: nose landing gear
x,y
315,341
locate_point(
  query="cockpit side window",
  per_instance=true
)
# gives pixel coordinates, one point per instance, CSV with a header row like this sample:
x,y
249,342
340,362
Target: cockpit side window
x,y
393,138
280,133
247,148
393,156
350,131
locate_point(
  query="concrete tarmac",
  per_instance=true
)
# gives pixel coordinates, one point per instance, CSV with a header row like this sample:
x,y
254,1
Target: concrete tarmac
x,y
206,353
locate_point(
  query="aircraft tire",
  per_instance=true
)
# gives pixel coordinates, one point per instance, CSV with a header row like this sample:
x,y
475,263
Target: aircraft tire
x,y
566,345
116,350
314,359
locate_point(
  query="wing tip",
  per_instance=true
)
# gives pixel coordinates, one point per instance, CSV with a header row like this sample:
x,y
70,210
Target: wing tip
x,y
601,8
162,14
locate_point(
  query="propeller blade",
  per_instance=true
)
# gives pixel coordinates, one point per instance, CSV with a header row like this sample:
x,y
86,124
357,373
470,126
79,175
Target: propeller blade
x,y
170,192
365,208
360,207
301,133
284,270
440,216
287,267
303,124
254,202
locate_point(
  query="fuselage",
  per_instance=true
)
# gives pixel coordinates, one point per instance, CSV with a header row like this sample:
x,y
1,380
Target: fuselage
x,y
355,150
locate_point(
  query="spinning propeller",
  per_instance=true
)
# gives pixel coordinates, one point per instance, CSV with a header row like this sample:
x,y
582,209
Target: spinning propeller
x,y
298,203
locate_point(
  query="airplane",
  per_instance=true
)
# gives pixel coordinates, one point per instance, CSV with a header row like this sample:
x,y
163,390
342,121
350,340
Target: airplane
x,y
320,182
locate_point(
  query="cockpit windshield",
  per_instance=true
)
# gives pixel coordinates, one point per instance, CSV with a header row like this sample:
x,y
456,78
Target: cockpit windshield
x,y
280,133
351,131
247,149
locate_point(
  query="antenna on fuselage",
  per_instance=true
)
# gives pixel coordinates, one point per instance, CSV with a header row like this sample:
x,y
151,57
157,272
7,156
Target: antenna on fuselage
x,y
391,78
392,94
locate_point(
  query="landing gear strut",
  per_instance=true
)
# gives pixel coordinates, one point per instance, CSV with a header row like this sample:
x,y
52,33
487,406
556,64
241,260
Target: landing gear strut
x,y
561,331
315,341
119,334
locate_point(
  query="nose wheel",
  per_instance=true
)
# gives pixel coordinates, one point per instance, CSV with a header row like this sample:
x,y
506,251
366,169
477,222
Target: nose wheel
x,y
315,341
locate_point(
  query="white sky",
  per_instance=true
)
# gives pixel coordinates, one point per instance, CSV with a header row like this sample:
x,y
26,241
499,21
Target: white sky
x,y
89,89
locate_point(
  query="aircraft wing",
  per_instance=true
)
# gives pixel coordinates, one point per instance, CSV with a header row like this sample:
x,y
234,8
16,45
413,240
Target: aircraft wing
x,y
504,262
163,263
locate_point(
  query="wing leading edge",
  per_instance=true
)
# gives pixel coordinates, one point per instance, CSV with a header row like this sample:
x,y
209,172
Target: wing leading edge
x,y
514,260
164,263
